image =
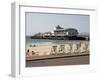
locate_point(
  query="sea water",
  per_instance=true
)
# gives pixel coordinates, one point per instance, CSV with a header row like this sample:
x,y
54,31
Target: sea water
x,y
48,41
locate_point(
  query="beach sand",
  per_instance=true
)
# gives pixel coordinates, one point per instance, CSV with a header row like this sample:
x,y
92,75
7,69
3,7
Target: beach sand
x,y
52,55
47,49
39,49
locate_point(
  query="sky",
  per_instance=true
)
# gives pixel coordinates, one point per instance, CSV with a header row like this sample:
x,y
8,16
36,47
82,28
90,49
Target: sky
x,y
44,22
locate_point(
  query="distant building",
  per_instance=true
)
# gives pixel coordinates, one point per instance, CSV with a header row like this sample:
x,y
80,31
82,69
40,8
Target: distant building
x,y
59,31
47,34
38,34
43,34
65,32
71,32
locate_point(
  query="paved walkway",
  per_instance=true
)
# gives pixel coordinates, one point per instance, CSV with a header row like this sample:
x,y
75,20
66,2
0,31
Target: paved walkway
x,y
58,60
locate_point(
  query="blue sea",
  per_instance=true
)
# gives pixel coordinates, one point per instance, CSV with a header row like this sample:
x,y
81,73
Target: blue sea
x,y
46,41
37,41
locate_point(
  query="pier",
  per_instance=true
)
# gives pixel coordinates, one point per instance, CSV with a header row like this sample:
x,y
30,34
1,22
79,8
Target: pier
x,y
60,37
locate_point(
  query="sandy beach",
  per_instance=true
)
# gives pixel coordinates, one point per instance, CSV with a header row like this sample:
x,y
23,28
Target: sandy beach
x,y
54,49
39,49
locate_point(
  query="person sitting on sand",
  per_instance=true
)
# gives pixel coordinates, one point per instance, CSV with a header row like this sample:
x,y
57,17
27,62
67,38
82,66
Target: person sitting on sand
x,y
68,48
27,53
88,47
53,50
33,53
61,49
83,48
74,48
32,45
